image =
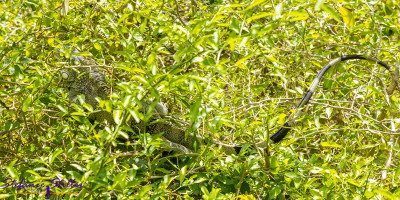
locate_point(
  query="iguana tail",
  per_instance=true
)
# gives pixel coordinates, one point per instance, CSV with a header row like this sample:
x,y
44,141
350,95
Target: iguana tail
x,y
282,132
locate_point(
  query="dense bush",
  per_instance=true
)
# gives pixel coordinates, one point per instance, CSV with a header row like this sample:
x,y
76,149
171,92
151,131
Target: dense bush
x,y
228,70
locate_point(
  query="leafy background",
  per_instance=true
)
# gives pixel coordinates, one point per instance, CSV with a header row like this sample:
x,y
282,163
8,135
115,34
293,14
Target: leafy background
x,y
230,70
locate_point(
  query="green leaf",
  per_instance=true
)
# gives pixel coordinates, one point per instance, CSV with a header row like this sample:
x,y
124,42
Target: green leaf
x,y
54,155
194,112
26,103
235,25
318,5
368,194
394,99
182,174
243,59
3,196
275,192
33,173
281,118
50,41
386,194
272,58
259,16
278,9
353,182
61,107
329,111
309,182
117,115
330,144
298,15
78,167
331,11
13,173
254,3
347,16
274,164
97,46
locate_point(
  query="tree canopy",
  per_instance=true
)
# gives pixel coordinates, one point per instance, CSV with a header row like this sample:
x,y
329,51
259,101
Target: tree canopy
x,y
230,71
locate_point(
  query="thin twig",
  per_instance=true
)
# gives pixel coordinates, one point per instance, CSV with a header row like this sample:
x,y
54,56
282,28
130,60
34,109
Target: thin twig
x,y
177,13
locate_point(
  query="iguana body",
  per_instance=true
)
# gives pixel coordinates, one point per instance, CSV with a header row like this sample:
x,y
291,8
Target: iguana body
x,y
90,82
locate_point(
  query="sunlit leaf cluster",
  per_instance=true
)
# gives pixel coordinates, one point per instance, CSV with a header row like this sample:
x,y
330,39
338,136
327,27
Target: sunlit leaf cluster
x,y
231,71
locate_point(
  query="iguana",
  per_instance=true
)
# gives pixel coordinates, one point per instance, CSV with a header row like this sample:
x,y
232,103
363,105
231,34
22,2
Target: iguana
x,y
90,82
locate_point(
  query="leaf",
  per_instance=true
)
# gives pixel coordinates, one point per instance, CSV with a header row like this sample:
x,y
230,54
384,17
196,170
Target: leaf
x,y
299,15
272,58
117,114
394,99
78,167
274,164
54,155
367,146
33,172
97,46
132,69
13,173
329,111
50,41
291,174
182,174
331,144
255,3
386,194
331,11
318,5
235,25
194,112
26,103
368,194
255,123
258,16
278,9
347,15
309,182
275,192
243,59
281,118
84,53
3,196
353,182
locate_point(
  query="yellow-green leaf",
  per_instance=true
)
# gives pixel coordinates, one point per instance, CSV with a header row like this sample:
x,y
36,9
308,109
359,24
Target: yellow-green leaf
x,y
3,196
347,15
11,170
394,99
309,182
353,182
243,59
26,103
271,58
386,194
331,11
258,16
299,15
97,46
54,155
256,122
331,144
50,41
117,114
318,5
281,119
255,3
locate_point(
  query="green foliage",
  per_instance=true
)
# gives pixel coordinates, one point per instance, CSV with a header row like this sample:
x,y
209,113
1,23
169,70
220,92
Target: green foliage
x,y
229,70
